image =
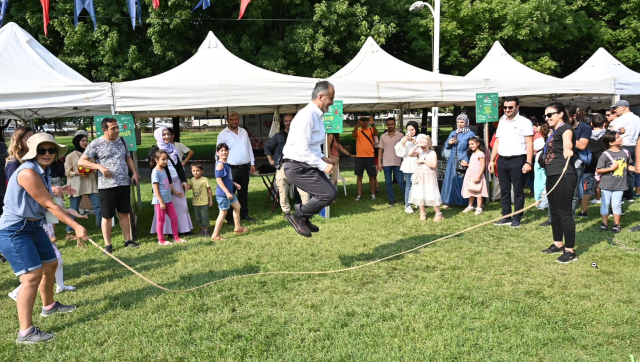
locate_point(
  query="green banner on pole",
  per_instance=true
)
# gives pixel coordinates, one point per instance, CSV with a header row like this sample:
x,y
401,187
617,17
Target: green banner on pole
x,y
487,107
333,118
127,128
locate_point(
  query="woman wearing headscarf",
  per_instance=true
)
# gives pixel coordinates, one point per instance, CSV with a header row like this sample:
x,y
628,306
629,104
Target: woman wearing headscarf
x,y
178,180
457,142
81,181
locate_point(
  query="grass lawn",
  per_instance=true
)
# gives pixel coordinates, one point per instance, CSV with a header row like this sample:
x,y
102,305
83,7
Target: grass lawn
x,y
485,295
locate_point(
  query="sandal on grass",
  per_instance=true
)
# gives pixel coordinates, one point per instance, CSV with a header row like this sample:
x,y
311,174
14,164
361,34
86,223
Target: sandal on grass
x,y
179,240
217,238
241,231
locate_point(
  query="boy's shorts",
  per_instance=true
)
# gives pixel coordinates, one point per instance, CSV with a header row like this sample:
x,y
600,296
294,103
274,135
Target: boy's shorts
x,y
224,203
589,184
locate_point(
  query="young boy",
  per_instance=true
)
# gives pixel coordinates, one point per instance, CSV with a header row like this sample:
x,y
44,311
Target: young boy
x,y
202,197
613,167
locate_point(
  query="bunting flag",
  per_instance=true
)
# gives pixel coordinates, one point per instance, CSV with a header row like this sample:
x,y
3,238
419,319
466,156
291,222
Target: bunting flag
x,y
156,4
243,7
45,14
3,10
205,4
135,10
84,4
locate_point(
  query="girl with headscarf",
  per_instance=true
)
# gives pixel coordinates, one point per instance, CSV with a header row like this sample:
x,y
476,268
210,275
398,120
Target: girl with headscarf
x,y
457,142
82,180
178,179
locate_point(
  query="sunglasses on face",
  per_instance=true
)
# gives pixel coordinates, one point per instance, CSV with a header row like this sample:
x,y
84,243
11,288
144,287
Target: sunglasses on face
x,y
549,115
508,107
51,151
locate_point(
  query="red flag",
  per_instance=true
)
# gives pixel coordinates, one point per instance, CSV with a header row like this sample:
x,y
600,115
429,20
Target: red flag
x,y
45,14
156,4
243,7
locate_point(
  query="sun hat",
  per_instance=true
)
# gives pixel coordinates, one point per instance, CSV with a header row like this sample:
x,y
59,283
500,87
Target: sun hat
x,y
38,138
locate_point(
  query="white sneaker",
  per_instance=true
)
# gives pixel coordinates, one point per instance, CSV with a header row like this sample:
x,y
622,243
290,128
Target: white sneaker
x,y
468,209
65,288
13,295
478,211
373,197
408,209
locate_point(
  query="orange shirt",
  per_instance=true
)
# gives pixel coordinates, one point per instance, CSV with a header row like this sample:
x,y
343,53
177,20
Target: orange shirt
x,y
364,148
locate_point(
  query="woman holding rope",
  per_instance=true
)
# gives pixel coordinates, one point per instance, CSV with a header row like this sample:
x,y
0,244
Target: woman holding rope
x,y
24,242
558,148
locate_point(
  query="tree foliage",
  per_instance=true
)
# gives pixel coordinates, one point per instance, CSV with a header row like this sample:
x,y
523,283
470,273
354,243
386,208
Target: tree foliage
x,y
316,38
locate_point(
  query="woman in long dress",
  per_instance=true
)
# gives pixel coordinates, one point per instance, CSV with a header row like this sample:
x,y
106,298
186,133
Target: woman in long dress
x,y
457,142
179,182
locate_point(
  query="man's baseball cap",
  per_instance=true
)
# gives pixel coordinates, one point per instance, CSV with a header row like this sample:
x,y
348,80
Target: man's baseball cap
x,y
621,103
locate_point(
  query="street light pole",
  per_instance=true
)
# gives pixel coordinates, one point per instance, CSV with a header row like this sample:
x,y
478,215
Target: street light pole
x,y
415,7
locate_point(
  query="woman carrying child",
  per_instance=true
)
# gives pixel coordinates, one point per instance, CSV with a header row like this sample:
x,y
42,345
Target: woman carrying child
x,y
612,168
162,199
475,185
226,199
424,189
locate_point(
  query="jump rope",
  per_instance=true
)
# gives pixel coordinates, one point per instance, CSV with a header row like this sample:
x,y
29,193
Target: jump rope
x,y
335,271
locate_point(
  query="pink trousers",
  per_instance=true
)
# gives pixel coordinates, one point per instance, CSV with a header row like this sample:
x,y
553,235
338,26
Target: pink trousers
x,y
173,216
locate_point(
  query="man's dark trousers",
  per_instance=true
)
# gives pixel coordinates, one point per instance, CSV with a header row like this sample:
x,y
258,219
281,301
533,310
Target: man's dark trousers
x,y
241,176
510,173
313,181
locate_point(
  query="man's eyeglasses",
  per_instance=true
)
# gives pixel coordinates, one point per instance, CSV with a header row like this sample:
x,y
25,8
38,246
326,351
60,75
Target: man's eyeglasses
x,y
550,114
51,151
508,107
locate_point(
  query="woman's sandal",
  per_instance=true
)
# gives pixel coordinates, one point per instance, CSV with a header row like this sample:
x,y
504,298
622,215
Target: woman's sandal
x,y
217,238
423,216
241,231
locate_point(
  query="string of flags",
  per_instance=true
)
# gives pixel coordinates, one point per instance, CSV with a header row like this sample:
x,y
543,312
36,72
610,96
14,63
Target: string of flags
x,y
134,6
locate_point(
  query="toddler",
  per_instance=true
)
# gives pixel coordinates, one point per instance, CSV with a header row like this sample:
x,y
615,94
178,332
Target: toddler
x,y
202,197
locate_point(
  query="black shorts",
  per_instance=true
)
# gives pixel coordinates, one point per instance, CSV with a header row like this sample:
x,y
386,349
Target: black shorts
x,y
365,163
116,198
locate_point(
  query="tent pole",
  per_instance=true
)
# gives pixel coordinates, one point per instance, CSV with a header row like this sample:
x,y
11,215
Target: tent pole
x,y
434,125
615,98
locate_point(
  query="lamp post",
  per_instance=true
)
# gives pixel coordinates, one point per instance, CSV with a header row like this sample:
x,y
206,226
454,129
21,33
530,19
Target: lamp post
x,y
416,7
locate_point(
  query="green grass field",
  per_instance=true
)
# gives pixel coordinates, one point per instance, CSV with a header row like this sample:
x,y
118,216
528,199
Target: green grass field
x,y
485,295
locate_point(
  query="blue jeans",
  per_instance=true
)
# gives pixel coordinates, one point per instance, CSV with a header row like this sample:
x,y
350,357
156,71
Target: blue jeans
x,y
407,189
613,198
95,202
389,180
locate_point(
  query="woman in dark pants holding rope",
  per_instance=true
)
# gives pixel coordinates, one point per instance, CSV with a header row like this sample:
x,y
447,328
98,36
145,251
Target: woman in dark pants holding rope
x,y
558,148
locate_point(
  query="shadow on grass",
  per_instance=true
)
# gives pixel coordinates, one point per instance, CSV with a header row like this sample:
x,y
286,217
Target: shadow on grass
x,y
385,250
126,300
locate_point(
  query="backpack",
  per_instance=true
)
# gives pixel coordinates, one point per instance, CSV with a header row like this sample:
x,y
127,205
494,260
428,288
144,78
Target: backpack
x,y
598,176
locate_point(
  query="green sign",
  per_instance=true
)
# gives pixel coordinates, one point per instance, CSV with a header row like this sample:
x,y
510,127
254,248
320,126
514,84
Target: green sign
x,y
487,107
127,128
333,118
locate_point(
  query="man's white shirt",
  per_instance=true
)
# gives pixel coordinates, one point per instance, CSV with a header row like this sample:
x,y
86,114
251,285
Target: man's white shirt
x,y
631,124
240,151
512,135
306,137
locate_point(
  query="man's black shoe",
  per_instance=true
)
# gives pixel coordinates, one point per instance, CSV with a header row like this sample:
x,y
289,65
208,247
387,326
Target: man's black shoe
x,y
313,228
392,203
109,249
545,223
249,218
131,244
299,225
503,222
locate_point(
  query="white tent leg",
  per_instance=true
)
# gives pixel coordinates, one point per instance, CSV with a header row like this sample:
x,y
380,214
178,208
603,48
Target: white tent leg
x,y
434,125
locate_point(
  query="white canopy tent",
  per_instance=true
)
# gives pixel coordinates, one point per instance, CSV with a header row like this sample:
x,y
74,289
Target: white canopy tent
x,y
375,80
209,82
36,84
508,77
603,65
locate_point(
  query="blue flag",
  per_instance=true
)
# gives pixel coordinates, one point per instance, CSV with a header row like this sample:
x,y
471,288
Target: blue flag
x,y
135,10
205,4
3,10
84,4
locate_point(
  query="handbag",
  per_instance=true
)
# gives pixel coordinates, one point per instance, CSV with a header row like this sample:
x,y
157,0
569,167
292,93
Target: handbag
x,y
474,187
460,169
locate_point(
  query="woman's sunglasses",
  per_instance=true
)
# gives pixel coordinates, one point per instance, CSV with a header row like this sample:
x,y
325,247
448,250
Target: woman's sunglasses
x,y
549,115
51,151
